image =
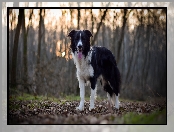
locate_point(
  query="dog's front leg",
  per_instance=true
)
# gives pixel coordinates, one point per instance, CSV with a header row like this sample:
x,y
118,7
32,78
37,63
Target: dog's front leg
x,y
93,93
117,102
92,99
82,95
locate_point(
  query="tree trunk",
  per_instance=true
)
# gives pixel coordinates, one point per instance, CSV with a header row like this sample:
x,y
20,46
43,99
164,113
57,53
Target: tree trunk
x,y
15,47
122,35
25,59
98,28
39,38
24,52
45,57
86,21
78,20
92,22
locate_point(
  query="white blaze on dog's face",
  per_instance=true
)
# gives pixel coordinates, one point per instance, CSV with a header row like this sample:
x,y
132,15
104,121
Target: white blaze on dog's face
x,y
79,42
79,47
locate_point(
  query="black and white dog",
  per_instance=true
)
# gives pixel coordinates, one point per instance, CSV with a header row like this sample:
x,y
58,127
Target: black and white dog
x,y
93,63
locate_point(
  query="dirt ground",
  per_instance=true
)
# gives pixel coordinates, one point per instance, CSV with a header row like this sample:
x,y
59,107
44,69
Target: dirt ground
x,y
49,112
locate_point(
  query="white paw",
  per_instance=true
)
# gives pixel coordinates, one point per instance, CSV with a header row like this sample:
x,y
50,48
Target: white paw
x,y
117,106
91,108
80,108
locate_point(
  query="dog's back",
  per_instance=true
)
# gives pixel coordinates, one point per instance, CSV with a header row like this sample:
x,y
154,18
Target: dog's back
x,y
104,63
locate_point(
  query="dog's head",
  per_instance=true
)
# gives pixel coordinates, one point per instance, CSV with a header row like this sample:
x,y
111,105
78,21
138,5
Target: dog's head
x,y
80,42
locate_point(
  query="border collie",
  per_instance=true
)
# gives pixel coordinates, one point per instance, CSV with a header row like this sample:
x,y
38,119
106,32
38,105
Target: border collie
x,y
94,63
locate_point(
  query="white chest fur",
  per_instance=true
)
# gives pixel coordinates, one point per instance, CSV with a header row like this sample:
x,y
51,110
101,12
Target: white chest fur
x,y
84,68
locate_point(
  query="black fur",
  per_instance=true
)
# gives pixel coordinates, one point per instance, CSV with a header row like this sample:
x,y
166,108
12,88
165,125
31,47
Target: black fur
x,y
102,61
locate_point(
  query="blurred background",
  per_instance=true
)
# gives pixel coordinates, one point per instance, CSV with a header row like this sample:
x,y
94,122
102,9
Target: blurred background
x,y
40,61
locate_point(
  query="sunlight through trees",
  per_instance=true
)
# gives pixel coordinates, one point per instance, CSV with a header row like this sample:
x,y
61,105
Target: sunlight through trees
x,y
39,54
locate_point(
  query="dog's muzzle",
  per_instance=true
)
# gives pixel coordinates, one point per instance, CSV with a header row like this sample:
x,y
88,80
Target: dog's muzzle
x,y
79,48
79,51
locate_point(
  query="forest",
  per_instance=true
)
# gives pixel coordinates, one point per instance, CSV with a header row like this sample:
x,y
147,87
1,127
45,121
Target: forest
x,y
40,60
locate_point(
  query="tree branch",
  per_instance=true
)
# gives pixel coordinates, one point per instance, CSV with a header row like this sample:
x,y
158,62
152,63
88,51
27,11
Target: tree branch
x,y
98,28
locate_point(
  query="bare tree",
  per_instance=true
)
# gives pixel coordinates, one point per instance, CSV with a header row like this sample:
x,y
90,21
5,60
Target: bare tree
x,y
39,37
92,20
122,34
25,33
24,52
15,47
98,28
78,16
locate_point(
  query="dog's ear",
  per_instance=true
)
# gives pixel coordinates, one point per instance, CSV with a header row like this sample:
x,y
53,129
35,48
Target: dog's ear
x,y
71,34
88,33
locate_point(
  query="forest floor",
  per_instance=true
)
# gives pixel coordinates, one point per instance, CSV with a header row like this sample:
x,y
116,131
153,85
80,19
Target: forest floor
x,y
28,109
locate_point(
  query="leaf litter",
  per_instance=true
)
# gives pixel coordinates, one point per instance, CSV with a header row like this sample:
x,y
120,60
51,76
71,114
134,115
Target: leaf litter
x,y
49,112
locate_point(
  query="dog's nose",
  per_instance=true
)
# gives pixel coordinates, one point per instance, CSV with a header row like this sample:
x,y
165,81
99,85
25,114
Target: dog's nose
x,y
80,46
